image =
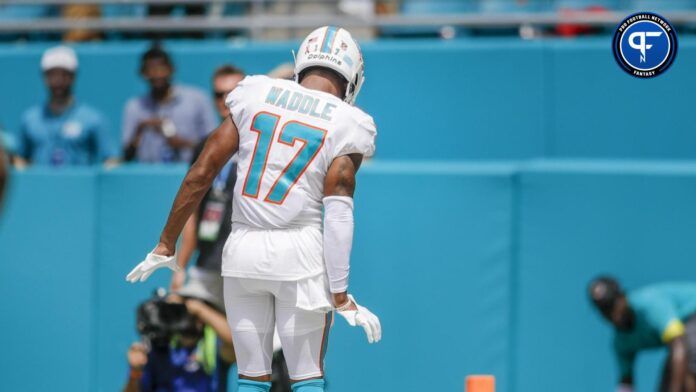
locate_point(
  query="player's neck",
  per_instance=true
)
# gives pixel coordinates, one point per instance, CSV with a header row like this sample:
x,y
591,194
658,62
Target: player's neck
x,y
318,82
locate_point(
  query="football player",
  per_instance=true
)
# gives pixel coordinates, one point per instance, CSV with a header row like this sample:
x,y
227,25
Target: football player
x,y
300,145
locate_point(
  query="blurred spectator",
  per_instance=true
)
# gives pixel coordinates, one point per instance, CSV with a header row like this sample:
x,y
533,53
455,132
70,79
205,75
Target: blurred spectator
x,y
78,12
661,315
63,131
283,71
165,124
225,79
187,347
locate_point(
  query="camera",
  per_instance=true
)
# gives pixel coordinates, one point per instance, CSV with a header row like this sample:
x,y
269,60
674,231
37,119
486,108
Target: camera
x,y
158,321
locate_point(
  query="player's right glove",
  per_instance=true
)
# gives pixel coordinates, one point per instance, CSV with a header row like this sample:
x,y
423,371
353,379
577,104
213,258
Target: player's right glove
x,y
360,315
152,262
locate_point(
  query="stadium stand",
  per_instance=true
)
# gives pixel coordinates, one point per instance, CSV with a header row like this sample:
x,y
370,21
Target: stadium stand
x,y
284,19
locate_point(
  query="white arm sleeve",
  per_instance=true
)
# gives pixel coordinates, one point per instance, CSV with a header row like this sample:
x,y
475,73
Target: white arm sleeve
x,y
338,240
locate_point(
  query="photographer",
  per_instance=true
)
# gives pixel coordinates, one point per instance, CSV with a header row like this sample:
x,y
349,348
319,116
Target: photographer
x,y
187,346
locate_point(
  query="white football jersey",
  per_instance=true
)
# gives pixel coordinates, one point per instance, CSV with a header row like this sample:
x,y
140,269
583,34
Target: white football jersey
x,y
288,137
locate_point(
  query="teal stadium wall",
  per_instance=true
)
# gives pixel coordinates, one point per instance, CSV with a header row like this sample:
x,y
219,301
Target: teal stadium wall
x,y
474,253
473,268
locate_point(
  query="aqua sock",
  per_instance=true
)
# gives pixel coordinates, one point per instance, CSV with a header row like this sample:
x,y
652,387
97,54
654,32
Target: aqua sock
x,y
314,385
253,386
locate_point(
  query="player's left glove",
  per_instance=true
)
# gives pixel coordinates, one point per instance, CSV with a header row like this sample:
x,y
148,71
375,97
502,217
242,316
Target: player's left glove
x,y
360,315
152,262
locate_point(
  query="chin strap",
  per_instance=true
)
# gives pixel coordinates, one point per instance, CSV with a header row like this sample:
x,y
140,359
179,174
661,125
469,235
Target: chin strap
x,y
294,63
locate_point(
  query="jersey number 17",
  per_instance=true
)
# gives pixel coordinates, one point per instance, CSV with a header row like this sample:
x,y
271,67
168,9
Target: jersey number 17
x,y
265,125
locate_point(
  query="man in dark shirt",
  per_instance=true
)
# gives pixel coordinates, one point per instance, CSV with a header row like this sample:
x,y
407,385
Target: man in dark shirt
x,y
207,230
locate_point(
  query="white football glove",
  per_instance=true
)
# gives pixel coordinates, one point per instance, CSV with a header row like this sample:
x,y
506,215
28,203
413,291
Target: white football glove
x,y
364,318
152,262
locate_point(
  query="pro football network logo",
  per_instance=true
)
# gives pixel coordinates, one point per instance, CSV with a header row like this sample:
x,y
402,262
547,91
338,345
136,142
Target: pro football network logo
x,y
645,45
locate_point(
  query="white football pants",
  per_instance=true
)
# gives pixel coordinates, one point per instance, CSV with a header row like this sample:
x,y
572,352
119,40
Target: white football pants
x,y
254,307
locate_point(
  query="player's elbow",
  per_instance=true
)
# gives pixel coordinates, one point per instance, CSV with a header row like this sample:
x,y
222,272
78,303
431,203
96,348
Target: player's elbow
x,y
345,187
340,180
